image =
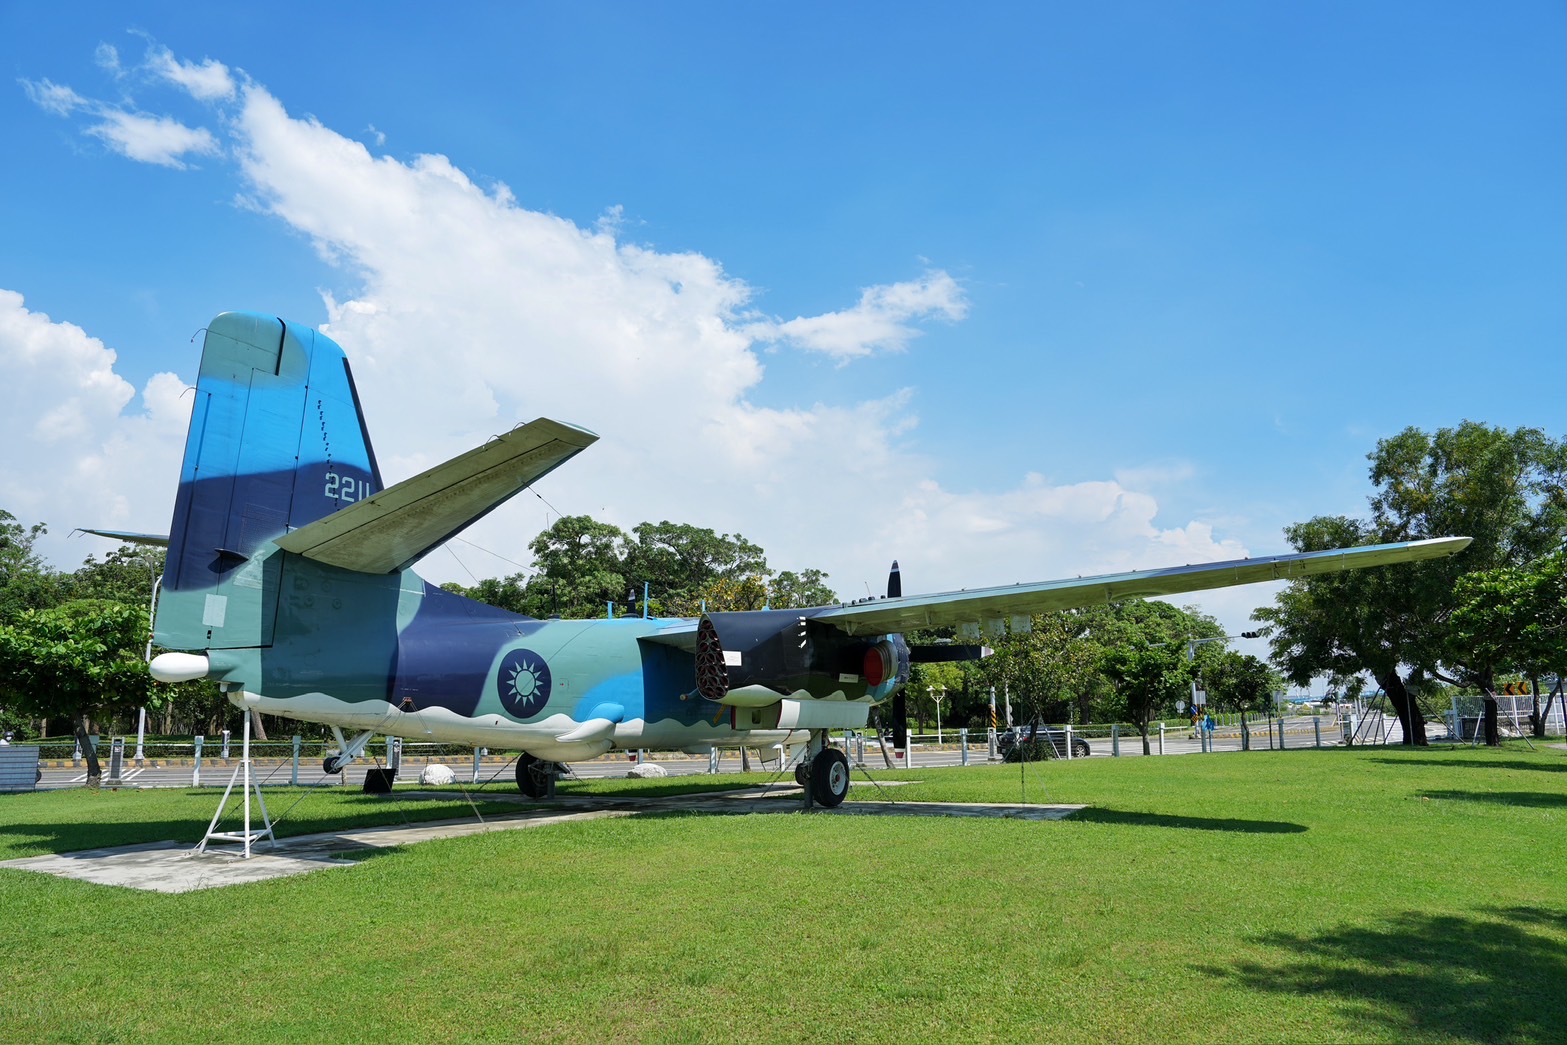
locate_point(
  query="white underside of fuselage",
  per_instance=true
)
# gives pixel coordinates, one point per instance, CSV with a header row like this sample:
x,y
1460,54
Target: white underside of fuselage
x,y
544,738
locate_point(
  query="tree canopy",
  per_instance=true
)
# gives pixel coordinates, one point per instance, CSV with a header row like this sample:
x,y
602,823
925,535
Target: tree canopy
x,y
584,566
1504,489
26,582
1515,617
81,658
1127,662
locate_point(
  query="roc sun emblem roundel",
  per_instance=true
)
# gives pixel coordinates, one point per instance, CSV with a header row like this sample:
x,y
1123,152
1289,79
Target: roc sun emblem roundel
x,y
524,682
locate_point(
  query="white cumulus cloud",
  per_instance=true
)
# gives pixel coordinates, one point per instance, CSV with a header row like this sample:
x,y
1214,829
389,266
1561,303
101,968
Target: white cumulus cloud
x,y
207,81
145,138
52,97
79,451
881,320
464,312
142,136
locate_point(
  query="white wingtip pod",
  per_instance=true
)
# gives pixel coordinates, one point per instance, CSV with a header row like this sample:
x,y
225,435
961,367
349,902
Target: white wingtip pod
x,y
179,667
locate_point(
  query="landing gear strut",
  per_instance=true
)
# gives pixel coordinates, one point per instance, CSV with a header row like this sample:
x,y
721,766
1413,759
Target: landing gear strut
x,y
347,751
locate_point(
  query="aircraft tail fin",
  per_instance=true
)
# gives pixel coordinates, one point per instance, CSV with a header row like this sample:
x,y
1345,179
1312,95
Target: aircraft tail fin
x,y
277,441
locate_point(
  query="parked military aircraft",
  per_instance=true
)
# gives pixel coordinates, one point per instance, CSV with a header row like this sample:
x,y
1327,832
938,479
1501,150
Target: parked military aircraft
x,y
289,581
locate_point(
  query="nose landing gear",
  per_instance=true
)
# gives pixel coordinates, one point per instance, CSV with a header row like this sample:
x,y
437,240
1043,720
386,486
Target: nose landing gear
x,y
824,774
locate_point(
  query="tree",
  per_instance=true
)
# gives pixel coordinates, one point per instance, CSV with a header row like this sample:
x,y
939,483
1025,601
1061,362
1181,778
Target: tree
x,y
790,590
1145,657
77,660
26,583
126,575
1505,490
580,568
1515,618
584,565
723,594
1050,667
509,593
1240,682
943,678
682,565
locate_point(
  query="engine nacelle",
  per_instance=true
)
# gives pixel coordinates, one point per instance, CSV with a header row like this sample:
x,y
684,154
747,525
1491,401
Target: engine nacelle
x,y
743,658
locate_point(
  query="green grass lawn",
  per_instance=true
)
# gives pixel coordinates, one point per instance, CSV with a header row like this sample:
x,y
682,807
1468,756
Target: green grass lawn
x,y
1341,895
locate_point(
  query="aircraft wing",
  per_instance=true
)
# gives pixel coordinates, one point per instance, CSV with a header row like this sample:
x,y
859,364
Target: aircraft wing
x,y
910,613
391,530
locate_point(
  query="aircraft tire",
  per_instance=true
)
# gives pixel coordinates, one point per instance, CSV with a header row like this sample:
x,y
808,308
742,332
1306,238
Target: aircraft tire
x,y
802,775
531,775
331,765
830,778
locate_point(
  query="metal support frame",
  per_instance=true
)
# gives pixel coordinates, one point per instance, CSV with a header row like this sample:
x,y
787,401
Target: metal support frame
x,y
247,837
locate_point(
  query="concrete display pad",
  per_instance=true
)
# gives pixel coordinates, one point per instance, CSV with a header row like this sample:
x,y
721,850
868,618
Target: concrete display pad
x,y
175,867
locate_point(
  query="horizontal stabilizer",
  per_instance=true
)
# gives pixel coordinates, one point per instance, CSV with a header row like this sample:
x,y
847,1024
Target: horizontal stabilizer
x,y
910,613
157,540
391,530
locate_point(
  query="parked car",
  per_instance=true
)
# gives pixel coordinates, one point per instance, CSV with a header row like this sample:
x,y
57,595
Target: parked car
x,y
1018,743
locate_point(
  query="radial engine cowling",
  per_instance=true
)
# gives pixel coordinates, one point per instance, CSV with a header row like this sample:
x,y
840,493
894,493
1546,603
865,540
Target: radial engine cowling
x,y
746,657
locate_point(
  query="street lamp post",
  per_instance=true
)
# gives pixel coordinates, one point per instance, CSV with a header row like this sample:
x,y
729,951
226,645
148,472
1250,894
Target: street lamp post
x,y
152,613
939,698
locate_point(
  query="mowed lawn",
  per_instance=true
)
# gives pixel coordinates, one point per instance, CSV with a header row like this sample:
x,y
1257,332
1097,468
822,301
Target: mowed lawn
x,y
1365,895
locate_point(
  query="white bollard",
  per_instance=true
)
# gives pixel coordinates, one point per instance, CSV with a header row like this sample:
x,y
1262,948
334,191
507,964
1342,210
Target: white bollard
x,y
294,779
195,772
1161,738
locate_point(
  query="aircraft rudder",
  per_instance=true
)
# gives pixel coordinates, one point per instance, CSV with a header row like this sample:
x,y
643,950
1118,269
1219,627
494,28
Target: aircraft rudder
x,y
276,441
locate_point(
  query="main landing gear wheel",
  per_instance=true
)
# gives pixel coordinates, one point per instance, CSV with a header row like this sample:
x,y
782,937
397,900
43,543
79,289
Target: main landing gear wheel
x,y
533,775
830,778
802,775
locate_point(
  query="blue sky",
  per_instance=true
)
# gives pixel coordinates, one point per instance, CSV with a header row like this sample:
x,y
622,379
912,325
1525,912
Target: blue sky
x,y
1005,291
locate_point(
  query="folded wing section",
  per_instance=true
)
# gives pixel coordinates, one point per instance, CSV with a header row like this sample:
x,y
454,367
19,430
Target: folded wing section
x,y
393,529
886,616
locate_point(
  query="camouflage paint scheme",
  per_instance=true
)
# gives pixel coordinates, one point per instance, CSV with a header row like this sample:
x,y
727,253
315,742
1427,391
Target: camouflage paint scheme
x,y
277,442
288,581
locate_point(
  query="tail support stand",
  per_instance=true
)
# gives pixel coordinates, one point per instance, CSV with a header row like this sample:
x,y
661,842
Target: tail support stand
x,y
247,837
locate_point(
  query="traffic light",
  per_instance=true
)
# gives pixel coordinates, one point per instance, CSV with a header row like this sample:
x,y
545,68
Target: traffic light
x,y
1251,634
